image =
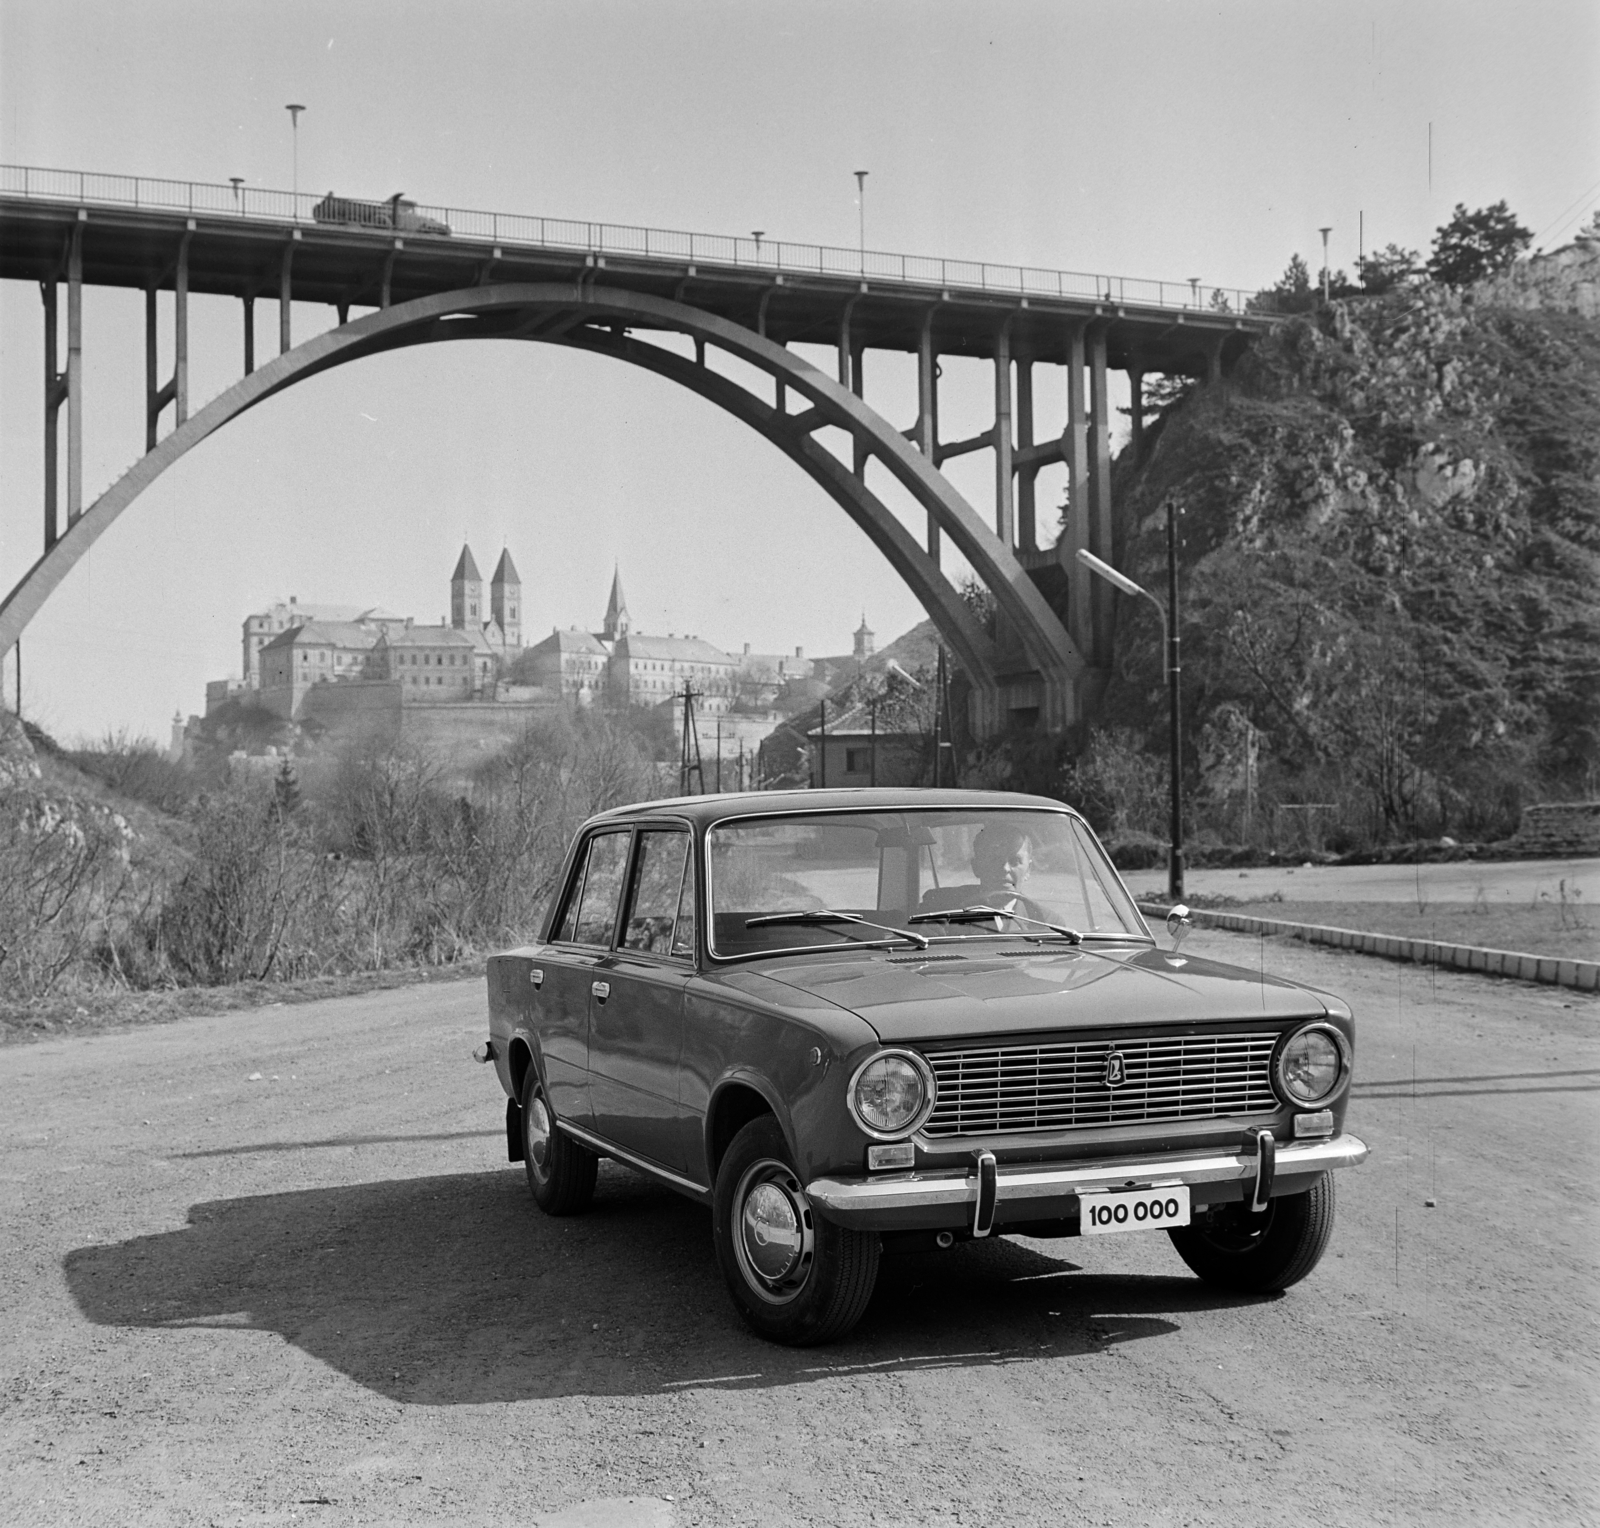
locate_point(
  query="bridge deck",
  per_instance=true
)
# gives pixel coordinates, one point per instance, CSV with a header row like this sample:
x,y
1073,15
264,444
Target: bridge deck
x,y
240,254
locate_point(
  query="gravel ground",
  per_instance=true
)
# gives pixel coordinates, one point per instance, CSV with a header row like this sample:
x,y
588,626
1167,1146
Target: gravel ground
x,y
272,1267
1469,881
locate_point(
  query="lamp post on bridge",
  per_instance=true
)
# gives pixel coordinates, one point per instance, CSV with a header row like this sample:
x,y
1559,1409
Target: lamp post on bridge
x,y
1325,232
1169,633
861,207
294,109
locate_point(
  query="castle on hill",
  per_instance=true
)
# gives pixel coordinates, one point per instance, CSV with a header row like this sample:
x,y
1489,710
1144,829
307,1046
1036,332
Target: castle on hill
x,y
338,659
290,650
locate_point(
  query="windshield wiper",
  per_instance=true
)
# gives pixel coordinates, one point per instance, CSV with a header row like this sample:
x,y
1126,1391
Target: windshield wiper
x,y
980,914
828,915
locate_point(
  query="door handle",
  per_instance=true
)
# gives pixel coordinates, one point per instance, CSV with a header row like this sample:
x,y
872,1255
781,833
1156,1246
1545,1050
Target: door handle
x,y
536,976
601,990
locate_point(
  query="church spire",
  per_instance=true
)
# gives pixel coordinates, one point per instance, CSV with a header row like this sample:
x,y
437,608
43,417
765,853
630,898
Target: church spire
x,y
505,600
466,593
616,622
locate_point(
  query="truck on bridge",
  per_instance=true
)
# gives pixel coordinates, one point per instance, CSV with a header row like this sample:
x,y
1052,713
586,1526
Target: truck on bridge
x,y
397,213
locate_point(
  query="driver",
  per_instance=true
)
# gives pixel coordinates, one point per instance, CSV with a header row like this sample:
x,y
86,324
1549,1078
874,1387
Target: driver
x,y
1002,857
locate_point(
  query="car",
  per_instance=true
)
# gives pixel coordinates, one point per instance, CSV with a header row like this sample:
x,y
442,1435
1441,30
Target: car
x,y
396,214
858,1021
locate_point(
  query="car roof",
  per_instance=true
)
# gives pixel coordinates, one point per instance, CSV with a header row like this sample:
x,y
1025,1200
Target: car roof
x,y
716,808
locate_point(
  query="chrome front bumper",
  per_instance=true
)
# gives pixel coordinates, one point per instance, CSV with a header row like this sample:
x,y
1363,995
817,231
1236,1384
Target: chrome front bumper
x,y
987,1186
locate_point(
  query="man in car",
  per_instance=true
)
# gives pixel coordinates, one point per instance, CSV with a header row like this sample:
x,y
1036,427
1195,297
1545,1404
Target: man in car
x,y
1002,856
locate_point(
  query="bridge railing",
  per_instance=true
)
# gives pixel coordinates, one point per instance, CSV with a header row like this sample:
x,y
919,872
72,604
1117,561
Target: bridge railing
x,y
780,256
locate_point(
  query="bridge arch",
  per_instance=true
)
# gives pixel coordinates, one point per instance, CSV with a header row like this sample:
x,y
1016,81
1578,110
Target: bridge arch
x,y
588,316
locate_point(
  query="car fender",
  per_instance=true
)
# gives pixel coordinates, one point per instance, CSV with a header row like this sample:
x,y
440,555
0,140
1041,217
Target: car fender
x,y
741,1075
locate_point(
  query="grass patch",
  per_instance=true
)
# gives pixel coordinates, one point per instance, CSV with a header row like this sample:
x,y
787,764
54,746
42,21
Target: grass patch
x,y
108,1008
1545,929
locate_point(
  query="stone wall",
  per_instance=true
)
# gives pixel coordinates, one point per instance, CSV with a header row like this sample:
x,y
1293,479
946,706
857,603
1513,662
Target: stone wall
x,y
1563,829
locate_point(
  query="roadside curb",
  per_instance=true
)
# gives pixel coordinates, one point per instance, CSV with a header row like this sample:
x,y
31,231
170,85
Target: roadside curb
x,y
1552,970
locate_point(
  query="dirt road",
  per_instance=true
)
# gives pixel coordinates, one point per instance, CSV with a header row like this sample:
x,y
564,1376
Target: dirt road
x,y
273,1268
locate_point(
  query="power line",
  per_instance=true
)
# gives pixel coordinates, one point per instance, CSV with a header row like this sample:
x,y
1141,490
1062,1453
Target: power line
x,y
1582,204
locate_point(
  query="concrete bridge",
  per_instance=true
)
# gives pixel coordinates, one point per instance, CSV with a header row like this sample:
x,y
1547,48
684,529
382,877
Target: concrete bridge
x,y
431,274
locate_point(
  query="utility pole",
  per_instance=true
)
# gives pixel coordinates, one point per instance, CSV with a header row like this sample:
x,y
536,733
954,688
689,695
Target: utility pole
x,y
689,765
822,747
1174,670
872,750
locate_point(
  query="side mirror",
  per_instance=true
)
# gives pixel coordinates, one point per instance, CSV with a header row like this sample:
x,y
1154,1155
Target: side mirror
x,y
1179,922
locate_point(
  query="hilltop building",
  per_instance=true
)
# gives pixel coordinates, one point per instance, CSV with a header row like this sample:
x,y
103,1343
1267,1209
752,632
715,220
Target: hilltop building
x,y
288,648
627,665
465,682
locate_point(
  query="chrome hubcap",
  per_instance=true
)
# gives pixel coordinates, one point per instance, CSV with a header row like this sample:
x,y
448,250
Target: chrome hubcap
x,y
772,1232
537,1126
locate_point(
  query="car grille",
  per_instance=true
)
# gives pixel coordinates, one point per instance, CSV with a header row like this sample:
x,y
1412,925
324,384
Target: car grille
x,y
1004,1089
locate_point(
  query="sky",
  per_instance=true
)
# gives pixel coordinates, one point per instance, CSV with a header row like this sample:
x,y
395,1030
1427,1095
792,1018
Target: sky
x,y
1124,136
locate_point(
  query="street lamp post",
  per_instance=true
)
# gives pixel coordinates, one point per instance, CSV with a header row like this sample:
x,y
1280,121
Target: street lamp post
x,y
1169,635
861,207
1325,232
294,109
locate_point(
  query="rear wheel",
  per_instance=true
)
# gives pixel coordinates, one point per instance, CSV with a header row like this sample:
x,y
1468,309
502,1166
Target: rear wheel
x,y
795,1277
560,1171
1259,1254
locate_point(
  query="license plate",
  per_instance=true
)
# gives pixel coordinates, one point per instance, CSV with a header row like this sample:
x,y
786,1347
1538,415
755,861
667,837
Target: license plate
x,y
1135,1209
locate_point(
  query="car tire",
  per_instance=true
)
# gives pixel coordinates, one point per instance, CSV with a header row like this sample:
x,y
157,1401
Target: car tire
x,y
1259,1254
795,1278
561,1173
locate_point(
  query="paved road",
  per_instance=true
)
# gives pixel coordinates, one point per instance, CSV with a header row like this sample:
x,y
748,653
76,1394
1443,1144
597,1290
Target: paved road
x,y
1514,881
319,1295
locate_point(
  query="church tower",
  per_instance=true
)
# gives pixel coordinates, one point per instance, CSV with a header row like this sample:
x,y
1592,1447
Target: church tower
x,y
466,594
505,600
616,622
865,645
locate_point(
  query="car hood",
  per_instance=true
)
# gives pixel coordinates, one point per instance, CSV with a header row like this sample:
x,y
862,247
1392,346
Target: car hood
x,y
942,995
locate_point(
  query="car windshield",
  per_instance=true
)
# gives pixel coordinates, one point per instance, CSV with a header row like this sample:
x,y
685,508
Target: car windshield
x,y
907,876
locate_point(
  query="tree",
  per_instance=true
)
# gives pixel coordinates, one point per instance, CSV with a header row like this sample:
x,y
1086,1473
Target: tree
x,y
286,788
1476,244
1385,269
1292,292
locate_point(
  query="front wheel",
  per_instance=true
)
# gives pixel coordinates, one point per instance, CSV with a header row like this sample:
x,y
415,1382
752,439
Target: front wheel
x,y
1259,1254
561,1173
795,1277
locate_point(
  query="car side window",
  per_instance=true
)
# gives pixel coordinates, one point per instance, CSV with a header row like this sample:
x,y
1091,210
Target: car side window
x,y
653,900
592,913
683,936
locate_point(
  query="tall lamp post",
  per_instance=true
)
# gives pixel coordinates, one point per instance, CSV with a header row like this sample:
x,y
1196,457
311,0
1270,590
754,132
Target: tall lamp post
x,y
861,206
294,109
1325,232
1169,633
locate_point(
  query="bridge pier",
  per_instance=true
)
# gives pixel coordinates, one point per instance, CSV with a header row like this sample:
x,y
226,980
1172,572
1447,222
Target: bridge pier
x,y
1028,471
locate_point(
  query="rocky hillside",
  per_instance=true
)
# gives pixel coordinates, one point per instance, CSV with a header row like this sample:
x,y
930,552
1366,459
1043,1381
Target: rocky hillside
x,y
1390,562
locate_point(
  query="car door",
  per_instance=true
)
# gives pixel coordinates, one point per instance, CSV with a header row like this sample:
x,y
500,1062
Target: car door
x,y
579,943
636,1017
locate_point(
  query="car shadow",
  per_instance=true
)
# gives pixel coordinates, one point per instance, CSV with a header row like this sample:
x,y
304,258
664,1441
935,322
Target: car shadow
x,y
457,1290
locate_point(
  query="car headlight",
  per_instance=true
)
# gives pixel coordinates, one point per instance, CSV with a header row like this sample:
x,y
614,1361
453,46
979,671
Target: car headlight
x,y
891,1094
1312,1064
